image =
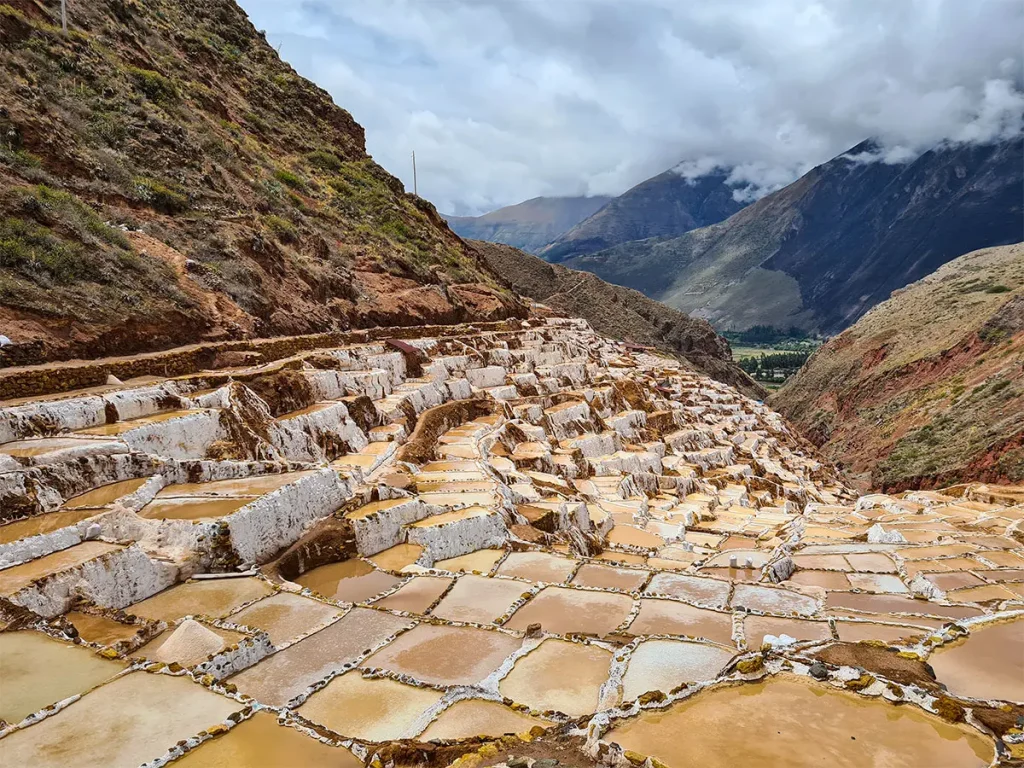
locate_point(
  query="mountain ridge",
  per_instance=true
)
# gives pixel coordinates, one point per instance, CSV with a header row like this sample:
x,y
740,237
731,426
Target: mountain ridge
x,y
875,223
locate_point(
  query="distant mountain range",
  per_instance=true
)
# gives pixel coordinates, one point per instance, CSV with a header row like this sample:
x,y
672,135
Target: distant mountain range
x,y
529,225
668,204
821,252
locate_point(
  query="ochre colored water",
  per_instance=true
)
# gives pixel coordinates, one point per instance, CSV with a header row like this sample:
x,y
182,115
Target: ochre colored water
x,y
45,523
558,675
479,599
700,591
24,449
661,665
13,579
351,581
561,611
127,722
260,742
192,508
36,671
211,597
794,723
373,507
537,566
417,595
100,629
895,604
375,710
672,618
280,677
482,560
853,631
119,427
105,494
285,616
479,718
823,579
428,653
631,536
606,576
989,664
398,557
244,486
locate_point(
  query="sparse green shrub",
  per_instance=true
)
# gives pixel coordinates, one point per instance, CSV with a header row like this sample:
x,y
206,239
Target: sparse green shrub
x,y
160,196
997,289
19,158
283,229
289,179
157,87
324,160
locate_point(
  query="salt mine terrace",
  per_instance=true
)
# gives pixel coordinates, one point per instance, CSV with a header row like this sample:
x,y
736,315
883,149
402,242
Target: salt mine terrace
x,y
515,529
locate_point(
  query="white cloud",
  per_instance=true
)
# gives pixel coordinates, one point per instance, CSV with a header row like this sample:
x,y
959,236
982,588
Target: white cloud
x,y
504,100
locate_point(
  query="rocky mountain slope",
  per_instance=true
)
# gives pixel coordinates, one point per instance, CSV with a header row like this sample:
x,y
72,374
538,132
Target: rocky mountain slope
x,y
822,251
928,387
666,205
165,178
529,225
621,313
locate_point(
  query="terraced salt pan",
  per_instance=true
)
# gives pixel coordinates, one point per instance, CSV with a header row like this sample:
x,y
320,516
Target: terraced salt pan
x,y
478,599
100,629
285,616
36,671
122,724
105,494
350,581
988,664
708,593
370,709
668,617
281,677
830,580
792,722
242,486
444,655
771,600
895,604
39,524
537,566
473,717
261,742
609,577
418,594
482,560
854,631
661,665
119,427
397,557
193,508
558,675
209,597
19,576
25,449
562,611
756,627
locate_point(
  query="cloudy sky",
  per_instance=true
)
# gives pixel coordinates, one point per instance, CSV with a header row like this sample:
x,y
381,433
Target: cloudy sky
x,y
504,100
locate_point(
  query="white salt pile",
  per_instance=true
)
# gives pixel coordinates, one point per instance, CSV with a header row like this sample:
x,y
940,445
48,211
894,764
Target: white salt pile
x,y
189,644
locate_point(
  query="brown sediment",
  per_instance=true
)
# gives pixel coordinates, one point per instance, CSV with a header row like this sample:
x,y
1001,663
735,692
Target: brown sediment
x,y
886,662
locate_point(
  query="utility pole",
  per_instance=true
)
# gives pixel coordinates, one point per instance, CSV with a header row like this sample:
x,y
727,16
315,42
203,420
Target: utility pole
x,y
415,186
64,16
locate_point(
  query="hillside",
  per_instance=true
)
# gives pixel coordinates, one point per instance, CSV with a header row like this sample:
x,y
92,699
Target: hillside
x,y
619,312
928,387
666,205
165,179
822,251
529,225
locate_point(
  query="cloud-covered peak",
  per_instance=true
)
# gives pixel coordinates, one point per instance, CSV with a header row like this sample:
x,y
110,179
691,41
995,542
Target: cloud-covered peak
x,y
505,100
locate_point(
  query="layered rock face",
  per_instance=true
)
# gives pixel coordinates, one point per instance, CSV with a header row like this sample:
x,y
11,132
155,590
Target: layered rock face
x,y
410,548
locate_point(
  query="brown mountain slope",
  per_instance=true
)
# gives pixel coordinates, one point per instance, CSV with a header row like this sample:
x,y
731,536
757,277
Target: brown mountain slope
x,y
619,312
926,389
166,178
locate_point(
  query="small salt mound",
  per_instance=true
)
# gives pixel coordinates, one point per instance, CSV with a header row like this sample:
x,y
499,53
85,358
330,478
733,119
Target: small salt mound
x,y
189,644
